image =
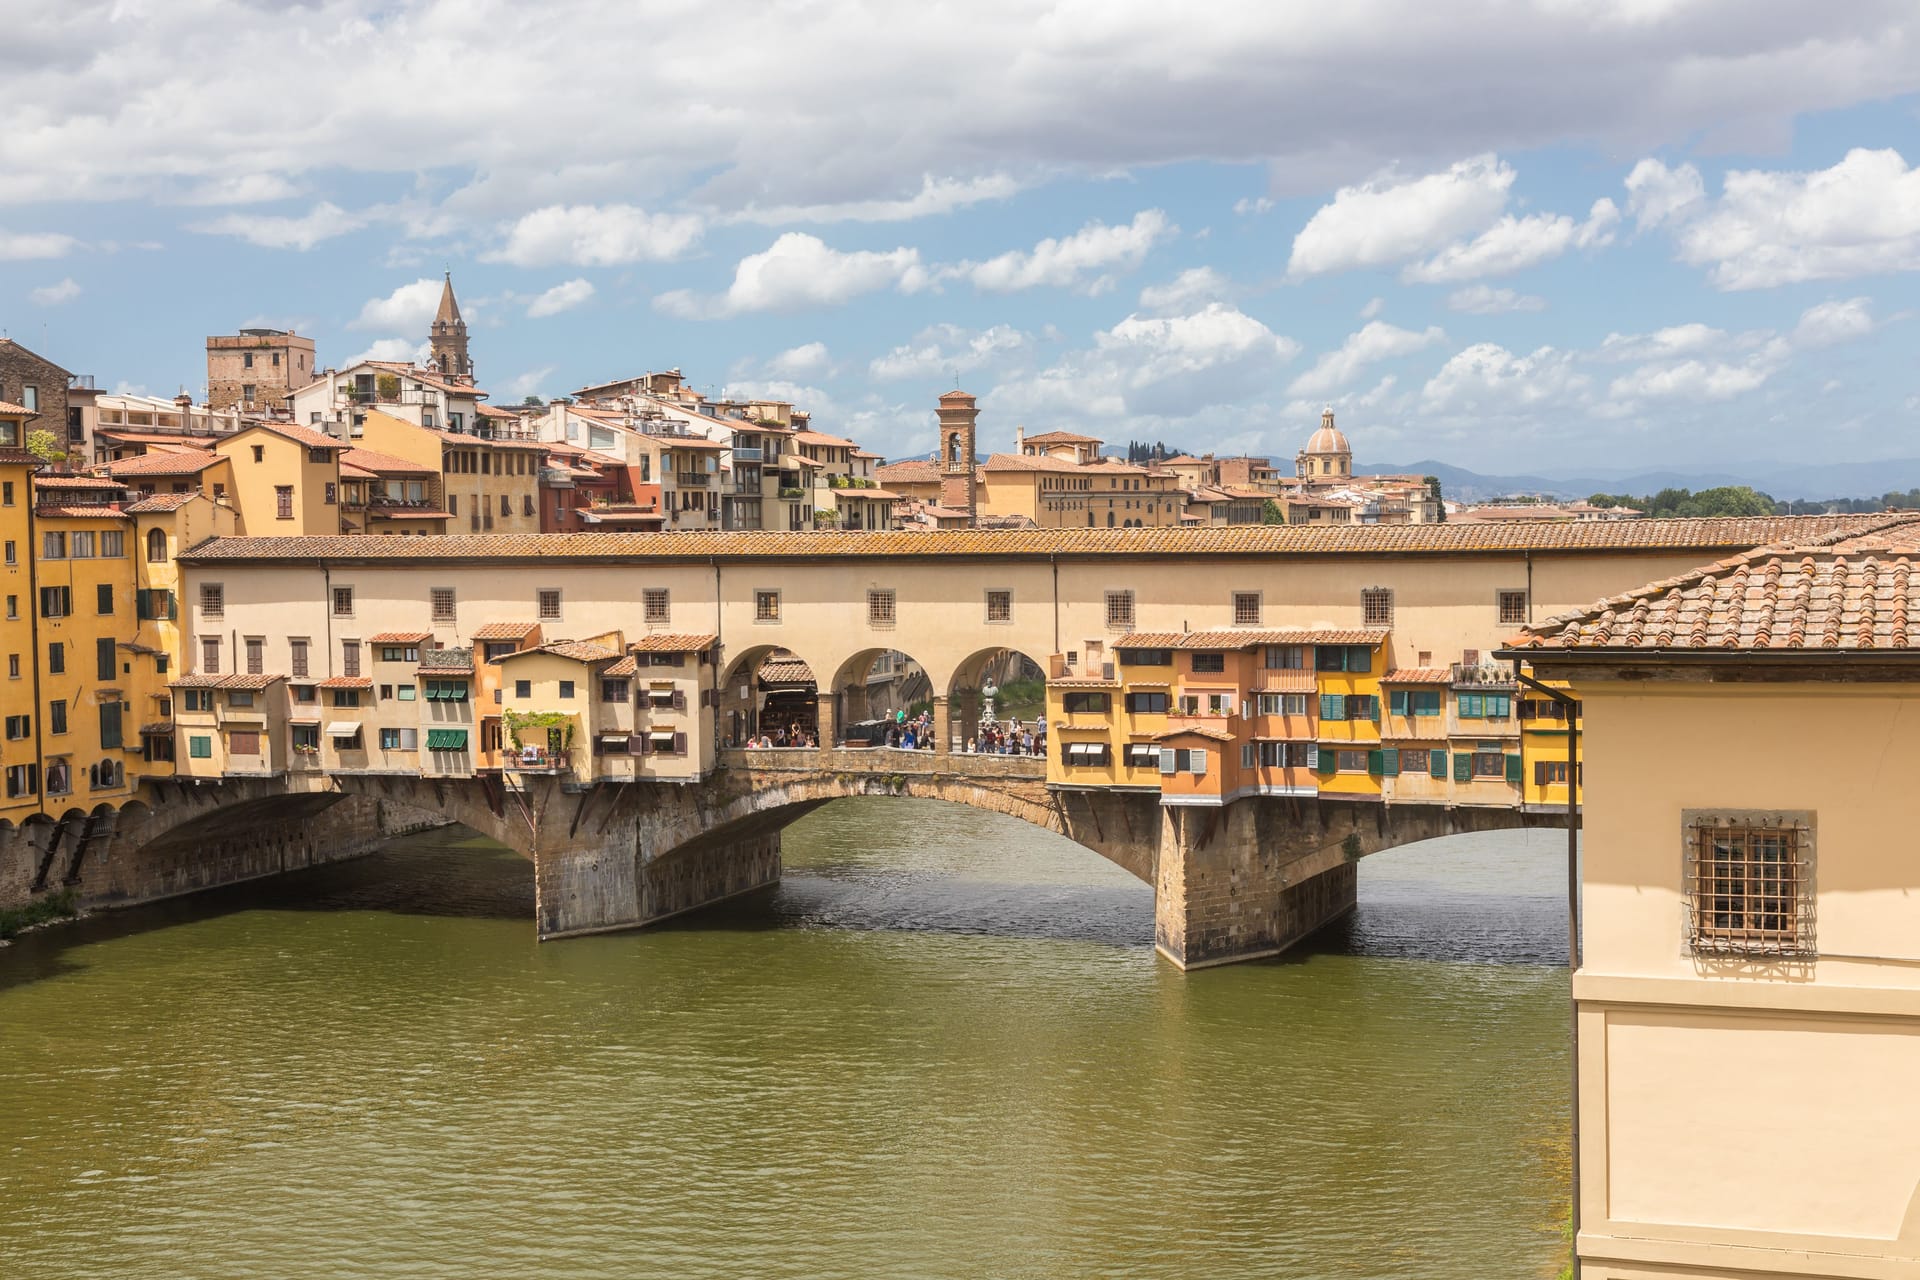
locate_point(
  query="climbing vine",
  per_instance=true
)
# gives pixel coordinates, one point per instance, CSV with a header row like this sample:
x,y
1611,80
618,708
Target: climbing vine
x,y
519,721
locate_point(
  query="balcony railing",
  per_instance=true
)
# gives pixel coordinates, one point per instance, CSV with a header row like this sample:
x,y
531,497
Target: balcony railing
x,y
741,454
692,481
1484,673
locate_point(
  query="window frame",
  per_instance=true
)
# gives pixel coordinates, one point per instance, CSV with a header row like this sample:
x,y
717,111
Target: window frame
x,y
1247,608
1376,607
1121,614
1518,617
882,607
1790,896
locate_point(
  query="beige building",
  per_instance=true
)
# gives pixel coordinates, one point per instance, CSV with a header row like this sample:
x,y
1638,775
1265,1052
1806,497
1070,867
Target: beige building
x,y
1748,996
253,370
485,484
285,479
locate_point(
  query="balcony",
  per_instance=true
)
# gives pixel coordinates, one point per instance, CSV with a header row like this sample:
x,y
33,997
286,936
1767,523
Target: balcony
x,y
742,454
1497,675
686,480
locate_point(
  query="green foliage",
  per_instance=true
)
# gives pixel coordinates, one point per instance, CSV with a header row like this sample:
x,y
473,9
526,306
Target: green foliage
x,y
387,386
1433,490
1727,500
1270,513
1892,500
533,402
543,721
44,446
55,906
826,516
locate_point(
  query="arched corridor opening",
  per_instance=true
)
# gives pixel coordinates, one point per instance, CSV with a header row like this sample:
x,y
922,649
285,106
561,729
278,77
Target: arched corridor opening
x,y
997,703
769,697
884,698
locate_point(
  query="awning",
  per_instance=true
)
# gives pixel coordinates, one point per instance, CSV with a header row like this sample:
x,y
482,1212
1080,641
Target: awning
x,y
446,739
620,738
343,728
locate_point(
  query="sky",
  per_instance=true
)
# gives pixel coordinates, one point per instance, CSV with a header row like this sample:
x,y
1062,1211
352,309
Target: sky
x,y
1510,235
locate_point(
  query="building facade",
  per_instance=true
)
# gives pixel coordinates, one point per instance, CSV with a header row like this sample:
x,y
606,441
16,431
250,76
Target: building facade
x,y
253,370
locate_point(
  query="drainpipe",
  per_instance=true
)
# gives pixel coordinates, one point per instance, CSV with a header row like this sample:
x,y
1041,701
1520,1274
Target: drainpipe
x,y
33,640
719,652
1573,910
1053,558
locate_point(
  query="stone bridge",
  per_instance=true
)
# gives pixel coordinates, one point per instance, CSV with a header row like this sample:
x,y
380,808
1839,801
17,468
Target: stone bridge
x,y
1244,880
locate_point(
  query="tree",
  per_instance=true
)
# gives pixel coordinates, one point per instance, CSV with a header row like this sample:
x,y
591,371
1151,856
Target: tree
x,y
1439,499
533,402
43,445
1270,513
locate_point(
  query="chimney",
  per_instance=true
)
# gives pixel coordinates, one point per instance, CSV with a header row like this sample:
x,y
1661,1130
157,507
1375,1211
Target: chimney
x,y
1020,437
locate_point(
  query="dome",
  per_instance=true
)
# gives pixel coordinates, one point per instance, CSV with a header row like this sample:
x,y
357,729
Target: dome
x,y
1328,438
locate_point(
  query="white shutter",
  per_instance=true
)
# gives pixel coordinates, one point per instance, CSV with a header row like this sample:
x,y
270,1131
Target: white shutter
x,y
1168,759
1313,755
1247,752
1199,759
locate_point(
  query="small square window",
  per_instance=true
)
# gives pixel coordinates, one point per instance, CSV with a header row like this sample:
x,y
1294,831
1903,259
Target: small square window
x,y
549,600
213,600
343,602
566,688
523,688
1246,608
880,608
1750,883
656,605
1376,607
766,606
443,609
1513,608
999,606
1120,610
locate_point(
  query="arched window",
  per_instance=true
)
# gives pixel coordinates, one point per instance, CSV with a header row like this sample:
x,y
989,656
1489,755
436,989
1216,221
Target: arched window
x,y
156,546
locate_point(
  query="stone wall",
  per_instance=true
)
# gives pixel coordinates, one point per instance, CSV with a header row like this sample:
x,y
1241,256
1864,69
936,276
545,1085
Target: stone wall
x,y
20,368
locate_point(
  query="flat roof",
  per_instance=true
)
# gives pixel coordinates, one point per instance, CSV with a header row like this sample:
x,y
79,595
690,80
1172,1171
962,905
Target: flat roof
x,y
1279,541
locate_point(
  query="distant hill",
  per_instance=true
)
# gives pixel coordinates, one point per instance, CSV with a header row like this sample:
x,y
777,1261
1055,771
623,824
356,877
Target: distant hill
x,y
1782,480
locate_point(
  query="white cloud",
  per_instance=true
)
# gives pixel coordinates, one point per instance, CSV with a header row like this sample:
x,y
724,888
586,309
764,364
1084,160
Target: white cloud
x,y
1161,367
1488,380
1514,244
520,386
1094,250
52,295
1829,323
325,221
410,308
1192,288
1374,342
1373,308
1388,220
403,349
809,357
1485,300
1690,380
947,349
244,188
585,235
936,196
22,246
1246,205
564,296
796,271
1657,194
1860,217
809,399
1663,344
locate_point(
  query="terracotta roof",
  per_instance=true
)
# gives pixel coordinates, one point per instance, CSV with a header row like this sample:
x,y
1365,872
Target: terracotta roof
x,y
1031,462
399,511
135,436
11,410
76,482
495,442
159,502
823,439
1850,595
885,495
506,630
185,462
785,671
910,471
1228,639
1196,730
1732,534
237,681
688,442
346,682
670,643
297,433
625,667
1419,675
576,650
95,512
1062,437
494,411
372,460
400,637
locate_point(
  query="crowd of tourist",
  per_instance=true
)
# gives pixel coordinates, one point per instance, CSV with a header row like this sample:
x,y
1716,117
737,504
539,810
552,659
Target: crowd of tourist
x,y
794,735
1009,739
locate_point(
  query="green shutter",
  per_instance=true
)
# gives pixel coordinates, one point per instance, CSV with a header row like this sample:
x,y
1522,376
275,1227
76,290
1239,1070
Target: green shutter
x,y
1390,762
200,747
1375,763
1397,702
1333,706
1463,766
1327,762
1513,769
1373,707
1359,658
1472,707
1437,764
446,739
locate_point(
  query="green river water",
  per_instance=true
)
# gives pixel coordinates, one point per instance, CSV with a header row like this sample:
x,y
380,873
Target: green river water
x,y
942,1047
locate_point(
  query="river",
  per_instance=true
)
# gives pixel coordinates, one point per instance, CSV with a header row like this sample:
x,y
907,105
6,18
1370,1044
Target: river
x,y
943,1047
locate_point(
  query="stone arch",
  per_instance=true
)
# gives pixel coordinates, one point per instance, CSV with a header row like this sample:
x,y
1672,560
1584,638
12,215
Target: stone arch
x,y
872,685
1002,667
764,688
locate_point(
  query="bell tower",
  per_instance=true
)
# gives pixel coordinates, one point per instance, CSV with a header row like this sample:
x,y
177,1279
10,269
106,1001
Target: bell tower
x,y
448,337
958,416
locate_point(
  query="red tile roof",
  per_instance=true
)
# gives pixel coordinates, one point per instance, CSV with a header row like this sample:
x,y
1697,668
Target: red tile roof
x,y
908,471
95,512
376,462
506,630
785,671
297,433
347,682
1226,639
1418,675
673,643
1854,595
577,650
1278,541
185,462
1194,730
400,637
238,681
1062,437
76,482
159,502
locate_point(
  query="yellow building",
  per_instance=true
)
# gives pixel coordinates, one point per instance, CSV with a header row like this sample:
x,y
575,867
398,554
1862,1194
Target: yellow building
x,y
600,709
285,478
380,493
486,484
19,747
1748,988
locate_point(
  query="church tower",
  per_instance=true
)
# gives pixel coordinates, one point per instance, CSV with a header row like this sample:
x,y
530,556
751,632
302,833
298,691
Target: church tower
x,y
448,337
957,417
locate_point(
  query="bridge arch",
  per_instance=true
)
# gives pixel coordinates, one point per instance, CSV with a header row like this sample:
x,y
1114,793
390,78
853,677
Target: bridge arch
x,y
875,685
1018,683
766,689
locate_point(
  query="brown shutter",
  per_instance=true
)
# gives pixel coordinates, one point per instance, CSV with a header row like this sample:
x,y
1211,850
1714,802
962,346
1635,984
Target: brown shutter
x,y
679,744
679,699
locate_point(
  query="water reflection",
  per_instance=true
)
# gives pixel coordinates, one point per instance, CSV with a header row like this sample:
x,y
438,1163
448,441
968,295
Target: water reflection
x,y
942,1047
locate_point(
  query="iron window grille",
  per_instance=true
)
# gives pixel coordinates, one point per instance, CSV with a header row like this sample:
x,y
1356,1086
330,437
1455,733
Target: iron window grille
x,y
1246,608
1120,609
999,606
655,604
1513,608
880,608
1376,607
1749,886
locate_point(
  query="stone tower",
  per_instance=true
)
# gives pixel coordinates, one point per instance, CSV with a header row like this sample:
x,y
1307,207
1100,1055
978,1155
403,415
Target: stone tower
x,y
957,469
448,337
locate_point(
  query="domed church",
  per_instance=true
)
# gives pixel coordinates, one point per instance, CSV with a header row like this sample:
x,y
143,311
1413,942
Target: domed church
x,y
1328,458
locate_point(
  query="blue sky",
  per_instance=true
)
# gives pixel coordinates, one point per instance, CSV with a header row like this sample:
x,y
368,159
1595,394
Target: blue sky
x,y
1512,236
